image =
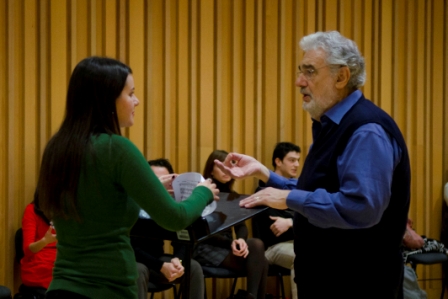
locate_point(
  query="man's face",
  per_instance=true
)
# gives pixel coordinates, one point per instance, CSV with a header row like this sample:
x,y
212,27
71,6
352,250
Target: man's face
x,y
317,83
289,166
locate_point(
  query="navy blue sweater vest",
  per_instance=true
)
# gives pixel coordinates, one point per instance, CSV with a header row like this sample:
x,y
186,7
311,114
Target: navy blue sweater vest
x,y
351,263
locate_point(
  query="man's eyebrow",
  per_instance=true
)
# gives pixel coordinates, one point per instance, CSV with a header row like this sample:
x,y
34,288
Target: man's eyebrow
x,y
308,66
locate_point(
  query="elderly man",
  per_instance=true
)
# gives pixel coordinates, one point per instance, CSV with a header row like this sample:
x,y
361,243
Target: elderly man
x,y
352,198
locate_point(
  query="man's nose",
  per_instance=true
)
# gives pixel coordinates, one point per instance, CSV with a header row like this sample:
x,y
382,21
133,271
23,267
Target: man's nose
x,y
301,81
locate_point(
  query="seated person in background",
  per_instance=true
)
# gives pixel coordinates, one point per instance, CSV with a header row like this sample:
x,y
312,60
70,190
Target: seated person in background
x,y
445,193
155,266
240,254
274,227
411,239
39,248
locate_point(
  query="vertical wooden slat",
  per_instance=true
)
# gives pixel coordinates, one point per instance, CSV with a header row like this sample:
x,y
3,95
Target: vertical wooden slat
x,y
80,14
237,77
14,122
195,79
136,56
376,48
5,267
224,72
171,76
270,117
250,80
154,80
58,63
398,98
287,75
259,69
386,42
30,105
206,103
44,74
427,110
365,8
93,34
410,79
15,109
445,93
420,165
436,115
110,28
348,18
182,152
330,16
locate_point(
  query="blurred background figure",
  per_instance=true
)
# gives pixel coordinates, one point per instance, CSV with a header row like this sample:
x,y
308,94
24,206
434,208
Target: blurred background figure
x,y
221,250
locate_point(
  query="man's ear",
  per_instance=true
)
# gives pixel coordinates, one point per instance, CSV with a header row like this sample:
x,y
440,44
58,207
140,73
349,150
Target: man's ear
x,y
343,77
278,162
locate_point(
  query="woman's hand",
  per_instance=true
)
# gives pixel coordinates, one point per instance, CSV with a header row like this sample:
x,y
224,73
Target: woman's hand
x,y
50,235
240,248
240,166
212,186
167,182
48,238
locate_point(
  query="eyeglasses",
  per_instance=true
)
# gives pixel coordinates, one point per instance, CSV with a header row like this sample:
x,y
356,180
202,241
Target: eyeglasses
x,y
309,71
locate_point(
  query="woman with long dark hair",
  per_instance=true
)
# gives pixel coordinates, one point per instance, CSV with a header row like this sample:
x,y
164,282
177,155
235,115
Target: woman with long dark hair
x,y
240,254
93,182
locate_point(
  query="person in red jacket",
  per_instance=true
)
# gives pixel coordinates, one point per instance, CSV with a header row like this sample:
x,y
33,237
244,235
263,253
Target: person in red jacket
x,y
39,248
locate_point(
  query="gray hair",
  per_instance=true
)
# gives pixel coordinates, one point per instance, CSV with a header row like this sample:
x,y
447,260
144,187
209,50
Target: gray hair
x,y
340,50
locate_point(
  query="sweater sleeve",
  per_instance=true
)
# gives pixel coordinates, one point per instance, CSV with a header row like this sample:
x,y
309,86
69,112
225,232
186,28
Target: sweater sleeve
x,y
143,257
138,180
29,229
241,231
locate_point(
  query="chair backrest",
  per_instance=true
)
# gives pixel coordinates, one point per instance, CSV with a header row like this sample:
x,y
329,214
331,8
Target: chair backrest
x,y
445,193
18,242
5,293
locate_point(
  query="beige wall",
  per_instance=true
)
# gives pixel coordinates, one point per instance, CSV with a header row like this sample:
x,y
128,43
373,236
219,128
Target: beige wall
x,y
218,74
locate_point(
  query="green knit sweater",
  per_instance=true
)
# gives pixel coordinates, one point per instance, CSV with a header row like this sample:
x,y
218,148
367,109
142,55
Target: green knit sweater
x,y
94,256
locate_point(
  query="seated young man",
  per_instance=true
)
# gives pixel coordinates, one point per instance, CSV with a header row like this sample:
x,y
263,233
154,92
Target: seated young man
x,y
274,227
156,266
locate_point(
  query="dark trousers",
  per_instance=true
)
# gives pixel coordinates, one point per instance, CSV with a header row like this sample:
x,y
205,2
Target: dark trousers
x,y
61,294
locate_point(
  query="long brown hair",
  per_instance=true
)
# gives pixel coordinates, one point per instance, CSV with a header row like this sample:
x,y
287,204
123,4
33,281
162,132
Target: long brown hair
x,y
95,84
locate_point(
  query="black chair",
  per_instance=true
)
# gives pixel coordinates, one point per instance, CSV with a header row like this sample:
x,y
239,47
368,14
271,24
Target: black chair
x,y
428,258
279,272
25,292
160,287
5,293
218,272
18,244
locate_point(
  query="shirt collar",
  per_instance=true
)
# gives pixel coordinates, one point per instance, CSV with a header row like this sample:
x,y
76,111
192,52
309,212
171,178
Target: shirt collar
x,y
337,112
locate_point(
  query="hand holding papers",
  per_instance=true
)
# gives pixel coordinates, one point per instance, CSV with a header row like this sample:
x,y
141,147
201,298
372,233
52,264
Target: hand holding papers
x,y
184,184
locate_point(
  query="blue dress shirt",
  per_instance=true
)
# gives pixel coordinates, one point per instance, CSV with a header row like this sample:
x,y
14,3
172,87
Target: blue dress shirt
x,y
365,177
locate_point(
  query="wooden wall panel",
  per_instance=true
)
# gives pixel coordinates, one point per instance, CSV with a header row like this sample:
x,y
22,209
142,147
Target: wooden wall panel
x,y
6,268
183,150
219,74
